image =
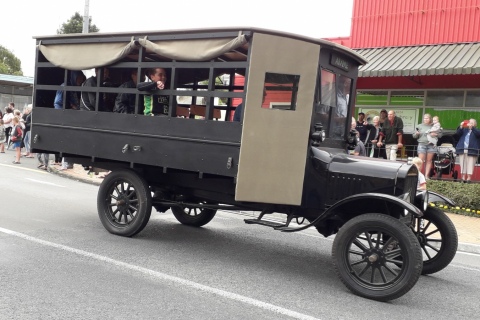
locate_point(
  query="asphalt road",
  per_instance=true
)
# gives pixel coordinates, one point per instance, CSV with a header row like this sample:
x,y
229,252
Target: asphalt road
x,y
58,262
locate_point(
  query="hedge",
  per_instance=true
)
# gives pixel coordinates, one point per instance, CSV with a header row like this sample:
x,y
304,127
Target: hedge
x,y
465,195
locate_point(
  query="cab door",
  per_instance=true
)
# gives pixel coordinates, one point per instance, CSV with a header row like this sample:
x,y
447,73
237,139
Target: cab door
x,y
275,133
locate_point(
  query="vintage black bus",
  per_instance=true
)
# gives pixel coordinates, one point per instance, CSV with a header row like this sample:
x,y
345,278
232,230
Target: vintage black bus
x,y
286,154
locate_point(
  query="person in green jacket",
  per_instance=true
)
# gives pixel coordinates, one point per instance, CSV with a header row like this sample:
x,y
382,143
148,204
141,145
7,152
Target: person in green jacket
x,y
155,105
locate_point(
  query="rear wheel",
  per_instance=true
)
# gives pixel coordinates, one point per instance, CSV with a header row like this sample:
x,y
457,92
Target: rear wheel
x,y
365,253
124,203
195,217
438,239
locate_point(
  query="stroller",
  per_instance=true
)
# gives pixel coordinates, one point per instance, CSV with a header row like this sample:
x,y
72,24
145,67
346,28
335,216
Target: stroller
x,y
444,161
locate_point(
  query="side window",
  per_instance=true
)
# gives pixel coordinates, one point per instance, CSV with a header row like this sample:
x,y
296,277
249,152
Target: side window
x,y
280,91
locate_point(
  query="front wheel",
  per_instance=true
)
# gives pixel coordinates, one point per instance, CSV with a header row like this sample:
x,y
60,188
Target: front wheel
x,y
124,203
195,217
438,238
377,257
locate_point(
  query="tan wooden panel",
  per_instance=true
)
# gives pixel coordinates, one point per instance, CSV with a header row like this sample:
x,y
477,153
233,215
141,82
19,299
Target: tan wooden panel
x,y
274,142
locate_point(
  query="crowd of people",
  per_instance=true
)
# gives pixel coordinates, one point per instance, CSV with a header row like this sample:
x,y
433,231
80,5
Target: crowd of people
x,y
384,136
15,131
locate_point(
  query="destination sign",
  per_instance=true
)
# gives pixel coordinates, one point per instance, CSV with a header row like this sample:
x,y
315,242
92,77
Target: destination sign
x,y
339,62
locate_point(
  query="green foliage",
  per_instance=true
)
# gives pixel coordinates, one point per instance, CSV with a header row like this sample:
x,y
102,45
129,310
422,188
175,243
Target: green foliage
x,y
9,63
466,196
75,25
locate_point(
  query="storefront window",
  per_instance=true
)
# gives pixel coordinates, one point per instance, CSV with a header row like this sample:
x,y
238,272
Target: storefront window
x,y
445,98
473,99
407,98
372,98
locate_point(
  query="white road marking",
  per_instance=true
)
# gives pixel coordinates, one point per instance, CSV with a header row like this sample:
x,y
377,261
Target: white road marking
x,y
49,183
23,168
166,277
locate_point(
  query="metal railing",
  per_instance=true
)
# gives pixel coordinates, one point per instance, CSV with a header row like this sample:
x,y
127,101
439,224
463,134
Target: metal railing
x,y
445,160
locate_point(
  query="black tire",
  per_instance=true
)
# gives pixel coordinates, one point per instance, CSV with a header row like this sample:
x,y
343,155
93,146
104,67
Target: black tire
x,y
195,217
438,239
124,203
363,255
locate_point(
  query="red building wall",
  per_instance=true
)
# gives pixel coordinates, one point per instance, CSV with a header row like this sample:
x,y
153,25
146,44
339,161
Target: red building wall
x,y
391,23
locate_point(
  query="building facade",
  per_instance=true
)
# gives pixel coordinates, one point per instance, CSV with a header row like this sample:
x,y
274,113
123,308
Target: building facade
x,y
424,57
17,89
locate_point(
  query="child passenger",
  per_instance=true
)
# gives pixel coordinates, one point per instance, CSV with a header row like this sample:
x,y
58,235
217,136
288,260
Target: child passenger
x,y
422,183
436,129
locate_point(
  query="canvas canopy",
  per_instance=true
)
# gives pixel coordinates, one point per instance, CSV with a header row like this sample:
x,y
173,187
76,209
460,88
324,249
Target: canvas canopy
x,y
193,50
81,56
86,55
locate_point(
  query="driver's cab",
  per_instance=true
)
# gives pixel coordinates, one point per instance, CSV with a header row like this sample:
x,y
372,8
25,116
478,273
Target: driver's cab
x,y
276,144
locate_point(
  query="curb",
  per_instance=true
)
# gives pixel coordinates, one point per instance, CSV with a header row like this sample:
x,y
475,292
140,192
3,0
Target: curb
x,y
73,177
468,247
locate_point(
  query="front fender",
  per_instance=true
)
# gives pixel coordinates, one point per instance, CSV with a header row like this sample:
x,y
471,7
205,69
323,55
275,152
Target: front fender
x,y
437,197
389,199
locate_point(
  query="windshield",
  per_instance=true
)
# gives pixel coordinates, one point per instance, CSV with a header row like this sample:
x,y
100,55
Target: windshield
x,y
332,103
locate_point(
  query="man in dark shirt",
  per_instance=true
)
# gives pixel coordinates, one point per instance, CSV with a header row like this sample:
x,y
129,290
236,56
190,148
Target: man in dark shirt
x,y
125,102
362,126
391,135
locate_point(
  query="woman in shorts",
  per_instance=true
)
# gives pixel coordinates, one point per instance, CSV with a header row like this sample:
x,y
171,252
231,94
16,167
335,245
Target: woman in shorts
x,y
426,150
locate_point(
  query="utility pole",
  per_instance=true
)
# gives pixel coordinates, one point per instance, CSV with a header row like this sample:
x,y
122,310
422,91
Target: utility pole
x,y
86,18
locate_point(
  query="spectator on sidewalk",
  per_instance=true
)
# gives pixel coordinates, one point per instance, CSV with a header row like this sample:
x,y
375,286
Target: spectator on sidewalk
x,y
7,122
468,148
43,159
2,137
16,137
27,116
391,135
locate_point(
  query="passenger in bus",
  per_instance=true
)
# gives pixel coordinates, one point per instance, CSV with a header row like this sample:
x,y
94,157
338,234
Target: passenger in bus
x,y
76,78
88,99
155,105
125,102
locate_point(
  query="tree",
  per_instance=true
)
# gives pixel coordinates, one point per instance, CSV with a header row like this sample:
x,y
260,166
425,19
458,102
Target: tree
x,y
9,63
75,25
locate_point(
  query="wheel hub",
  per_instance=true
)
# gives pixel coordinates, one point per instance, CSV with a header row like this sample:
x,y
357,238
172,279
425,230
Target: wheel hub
x,y
375,257
122,202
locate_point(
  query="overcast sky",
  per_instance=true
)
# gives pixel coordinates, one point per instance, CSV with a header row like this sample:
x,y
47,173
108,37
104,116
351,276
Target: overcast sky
x,y
21,20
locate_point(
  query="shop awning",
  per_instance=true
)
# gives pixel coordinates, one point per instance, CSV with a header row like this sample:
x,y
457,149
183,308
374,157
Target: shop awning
x,y
428,60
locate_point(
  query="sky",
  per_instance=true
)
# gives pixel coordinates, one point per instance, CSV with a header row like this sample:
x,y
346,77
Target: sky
x,y
22,20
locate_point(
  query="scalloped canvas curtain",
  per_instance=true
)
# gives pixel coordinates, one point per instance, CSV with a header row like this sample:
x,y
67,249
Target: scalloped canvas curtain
x,y
193,50
85,55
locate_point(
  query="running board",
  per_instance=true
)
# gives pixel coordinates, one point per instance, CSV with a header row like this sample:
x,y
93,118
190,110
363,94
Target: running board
x,y
275,225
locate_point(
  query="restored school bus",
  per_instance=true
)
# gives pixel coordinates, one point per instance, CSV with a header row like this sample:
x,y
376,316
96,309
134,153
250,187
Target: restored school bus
x,y
287,154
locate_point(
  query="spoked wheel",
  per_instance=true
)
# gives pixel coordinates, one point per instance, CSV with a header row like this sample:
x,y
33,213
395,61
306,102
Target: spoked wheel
x,y
195,217
124,203
365,253
438,238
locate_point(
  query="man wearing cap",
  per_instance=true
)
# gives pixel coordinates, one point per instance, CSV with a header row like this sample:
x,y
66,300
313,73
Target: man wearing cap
x,y
383,117
391,135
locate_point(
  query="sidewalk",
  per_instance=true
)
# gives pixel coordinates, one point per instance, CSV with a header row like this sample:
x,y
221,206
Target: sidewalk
x,y
468,228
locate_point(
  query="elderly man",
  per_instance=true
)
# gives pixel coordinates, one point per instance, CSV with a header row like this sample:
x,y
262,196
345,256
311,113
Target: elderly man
x,y
391,135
